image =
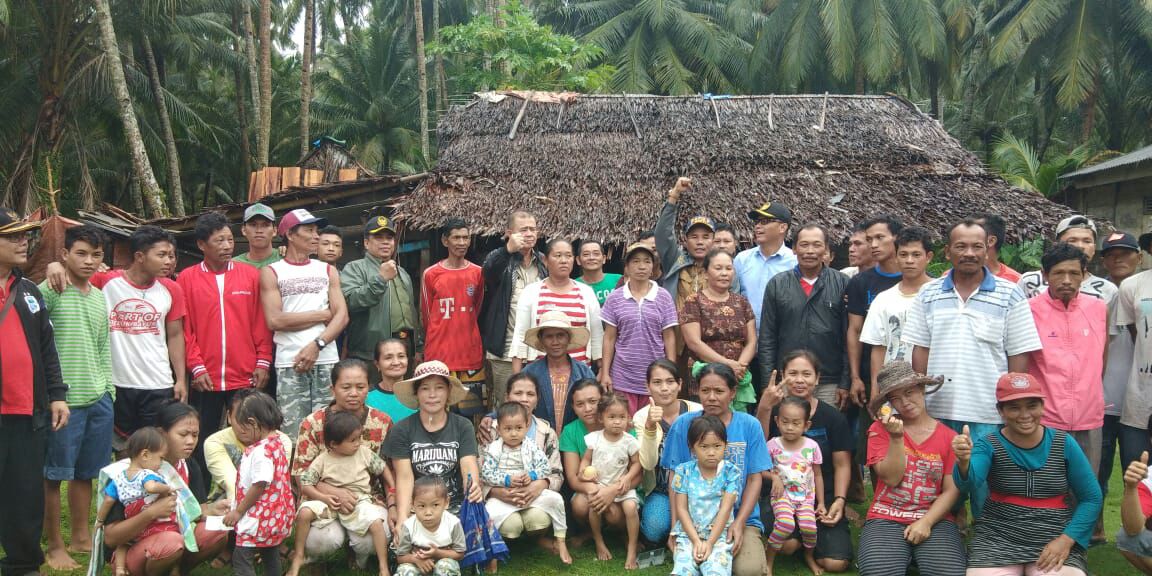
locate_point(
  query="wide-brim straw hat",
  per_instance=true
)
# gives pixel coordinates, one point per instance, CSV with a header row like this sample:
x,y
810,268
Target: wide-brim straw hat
x,y
898,375
556,319
405,390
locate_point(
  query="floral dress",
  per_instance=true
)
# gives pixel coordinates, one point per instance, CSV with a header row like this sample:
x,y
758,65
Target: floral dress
x,y
268,522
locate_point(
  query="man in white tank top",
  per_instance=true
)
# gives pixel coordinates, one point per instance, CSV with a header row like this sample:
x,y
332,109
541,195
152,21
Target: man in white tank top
x,y
306,311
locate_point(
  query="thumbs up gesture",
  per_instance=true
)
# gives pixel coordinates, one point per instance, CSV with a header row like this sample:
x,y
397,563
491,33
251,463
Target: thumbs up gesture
x,y
962,445
1137,471
655,415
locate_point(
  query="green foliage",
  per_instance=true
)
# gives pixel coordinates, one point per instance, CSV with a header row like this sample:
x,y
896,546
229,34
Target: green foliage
x,y
519,53
1018,164
1022,257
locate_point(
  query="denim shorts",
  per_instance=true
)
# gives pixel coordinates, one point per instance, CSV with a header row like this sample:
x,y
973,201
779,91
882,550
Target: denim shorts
x,y
1140,544
79,450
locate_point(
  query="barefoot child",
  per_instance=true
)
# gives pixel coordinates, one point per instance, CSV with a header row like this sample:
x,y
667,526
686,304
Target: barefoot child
x,y
262,513
350,465
797,484
431,541
704,491
510,462
137,487
611,458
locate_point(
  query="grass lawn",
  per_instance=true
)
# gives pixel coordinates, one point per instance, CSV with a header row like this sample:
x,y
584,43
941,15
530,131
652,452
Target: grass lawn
x,y
528,560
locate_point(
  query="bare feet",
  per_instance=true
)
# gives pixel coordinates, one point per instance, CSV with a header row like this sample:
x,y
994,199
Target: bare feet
x,y
58,559
580,539
630,562
492,566
80,544
603,553
562,550
810,560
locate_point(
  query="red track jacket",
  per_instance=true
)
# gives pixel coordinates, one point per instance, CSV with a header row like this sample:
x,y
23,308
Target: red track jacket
x,y
225,333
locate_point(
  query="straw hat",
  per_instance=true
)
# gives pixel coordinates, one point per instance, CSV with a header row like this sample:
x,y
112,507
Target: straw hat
x,y
405,390
898,375
555,319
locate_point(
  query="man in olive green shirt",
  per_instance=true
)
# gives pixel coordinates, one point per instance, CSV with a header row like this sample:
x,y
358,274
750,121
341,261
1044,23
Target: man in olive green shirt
x,y
259,229
381,298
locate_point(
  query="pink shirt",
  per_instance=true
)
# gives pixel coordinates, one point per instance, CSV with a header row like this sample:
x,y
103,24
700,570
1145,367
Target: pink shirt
x,y
1070,365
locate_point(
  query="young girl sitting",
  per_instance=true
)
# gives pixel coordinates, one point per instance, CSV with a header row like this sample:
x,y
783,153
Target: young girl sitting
x,y
350,465
704,491
797,484
510,462
431,541
611,459
137,487
262,513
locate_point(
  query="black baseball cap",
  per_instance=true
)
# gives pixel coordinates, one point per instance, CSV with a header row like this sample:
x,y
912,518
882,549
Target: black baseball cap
x,y
11,223
771,211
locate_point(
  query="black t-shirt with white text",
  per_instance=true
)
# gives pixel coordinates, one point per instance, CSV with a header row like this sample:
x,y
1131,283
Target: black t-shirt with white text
x,y
434,453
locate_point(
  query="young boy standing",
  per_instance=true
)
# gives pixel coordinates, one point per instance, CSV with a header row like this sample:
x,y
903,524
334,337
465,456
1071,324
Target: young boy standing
x,y
77,451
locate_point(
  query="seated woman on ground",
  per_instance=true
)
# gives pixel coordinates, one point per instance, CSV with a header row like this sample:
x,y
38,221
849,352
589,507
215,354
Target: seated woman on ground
x,y
157,554
523,388
222,452
651,423
1031,470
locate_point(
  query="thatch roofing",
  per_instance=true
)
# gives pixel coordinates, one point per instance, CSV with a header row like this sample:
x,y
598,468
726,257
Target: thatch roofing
x,y
600,166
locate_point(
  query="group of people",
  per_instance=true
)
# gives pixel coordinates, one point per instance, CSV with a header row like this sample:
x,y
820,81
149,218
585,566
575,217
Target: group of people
x,y
724,404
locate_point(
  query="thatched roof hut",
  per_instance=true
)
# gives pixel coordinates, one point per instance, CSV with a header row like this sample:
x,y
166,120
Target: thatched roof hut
x,y
600,166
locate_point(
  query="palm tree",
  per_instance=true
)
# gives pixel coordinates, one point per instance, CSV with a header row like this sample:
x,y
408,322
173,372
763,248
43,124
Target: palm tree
x,y
142,168
422,75
264,126
658,46
365,95
306,73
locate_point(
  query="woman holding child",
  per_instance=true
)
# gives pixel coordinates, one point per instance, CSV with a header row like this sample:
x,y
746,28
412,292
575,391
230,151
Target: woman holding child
x,y
349,391
159,553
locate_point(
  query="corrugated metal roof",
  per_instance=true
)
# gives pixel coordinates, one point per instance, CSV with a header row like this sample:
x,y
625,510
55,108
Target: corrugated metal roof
x,y
1142,155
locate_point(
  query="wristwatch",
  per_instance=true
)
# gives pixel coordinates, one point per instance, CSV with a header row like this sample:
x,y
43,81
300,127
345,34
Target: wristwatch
x,y
320,343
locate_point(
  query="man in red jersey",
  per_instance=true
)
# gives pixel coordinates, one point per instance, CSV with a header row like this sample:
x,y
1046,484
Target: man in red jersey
x,y
450,297
228,344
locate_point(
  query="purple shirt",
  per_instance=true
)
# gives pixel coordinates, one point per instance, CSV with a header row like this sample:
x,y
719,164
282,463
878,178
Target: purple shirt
x,y
639,326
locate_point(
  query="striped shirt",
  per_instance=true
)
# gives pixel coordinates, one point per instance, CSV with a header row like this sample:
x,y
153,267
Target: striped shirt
x,y
969,342
640,323
80,323
572,305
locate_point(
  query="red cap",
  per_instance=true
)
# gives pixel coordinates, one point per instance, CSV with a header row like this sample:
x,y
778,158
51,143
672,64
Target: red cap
x,y
299,217
1017,385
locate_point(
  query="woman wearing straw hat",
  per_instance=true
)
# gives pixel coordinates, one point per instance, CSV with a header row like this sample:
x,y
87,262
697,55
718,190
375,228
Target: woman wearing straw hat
x,y
556,370
911,454
433,441
1031,471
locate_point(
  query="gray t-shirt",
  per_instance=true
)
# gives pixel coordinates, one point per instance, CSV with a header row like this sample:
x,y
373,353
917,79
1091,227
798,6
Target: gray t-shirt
x,y
434,453
1135,309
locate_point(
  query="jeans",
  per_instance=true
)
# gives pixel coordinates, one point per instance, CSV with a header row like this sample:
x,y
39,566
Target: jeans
x,y
1110,435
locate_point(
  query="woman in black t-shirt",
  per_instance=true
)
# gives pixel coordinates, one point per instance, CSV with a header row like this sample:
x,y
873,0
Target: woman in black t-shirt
x,y
433,441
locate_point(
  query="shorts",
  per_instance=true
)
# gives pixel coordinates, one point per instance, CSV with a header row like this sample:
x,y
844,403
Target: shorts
x,y
358,522
833,542
473,381
136,408
1140,544
79,450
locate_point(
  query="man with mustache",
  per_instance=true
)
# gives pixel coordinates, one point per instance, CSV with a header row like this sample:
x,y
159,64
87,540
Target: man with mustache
x,y
970,327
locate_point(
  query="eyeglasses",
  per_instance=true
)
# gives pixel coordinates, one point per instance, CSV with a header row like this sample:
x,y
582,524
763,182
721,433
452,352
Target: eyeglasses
x,y
15,238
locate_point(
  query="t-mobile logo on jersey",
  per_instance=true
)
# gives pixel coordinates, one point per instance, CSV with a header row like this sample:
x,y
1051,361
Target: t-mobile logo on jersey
x,y
448,306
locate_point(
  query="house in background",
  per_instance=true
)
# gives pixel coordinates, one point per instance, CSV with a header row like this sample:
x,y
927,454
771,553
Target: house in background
x,y
599,166
1119,190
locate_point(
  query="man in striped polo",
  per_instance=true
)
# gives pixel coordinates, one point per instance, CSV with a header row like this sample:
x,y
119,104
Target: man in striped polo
x,y
77,451
969,327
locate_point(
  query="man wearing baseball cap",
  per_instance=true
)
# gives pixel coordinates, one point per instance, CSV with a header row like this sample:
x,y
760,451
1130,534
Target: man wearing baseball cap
x,y
756,266
380,295
260,229
682,263
305,311
32,400
1137,405
1120,254
1079,231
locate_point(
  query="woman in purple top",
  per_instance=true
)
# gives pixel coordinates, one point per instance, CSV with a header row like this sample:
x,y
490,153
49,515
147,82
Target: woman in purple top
x,y
639,318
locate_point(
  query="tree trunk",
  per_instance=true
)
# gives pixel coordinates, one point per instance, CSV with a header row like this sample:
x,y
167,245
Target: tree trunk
x,y
306,74
934,90
265,125
441,84
153,196
175,190
242,109
254,81
418,14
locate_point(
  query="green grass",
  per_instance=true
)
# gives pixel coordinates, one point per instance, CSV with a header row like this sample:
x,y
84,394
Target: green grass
x,y
529,560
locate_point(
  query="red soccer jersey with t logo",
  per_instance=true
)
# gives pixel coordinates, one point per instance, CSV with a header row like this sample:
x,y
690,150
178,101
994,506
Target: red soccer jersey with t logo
x,y
450,305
